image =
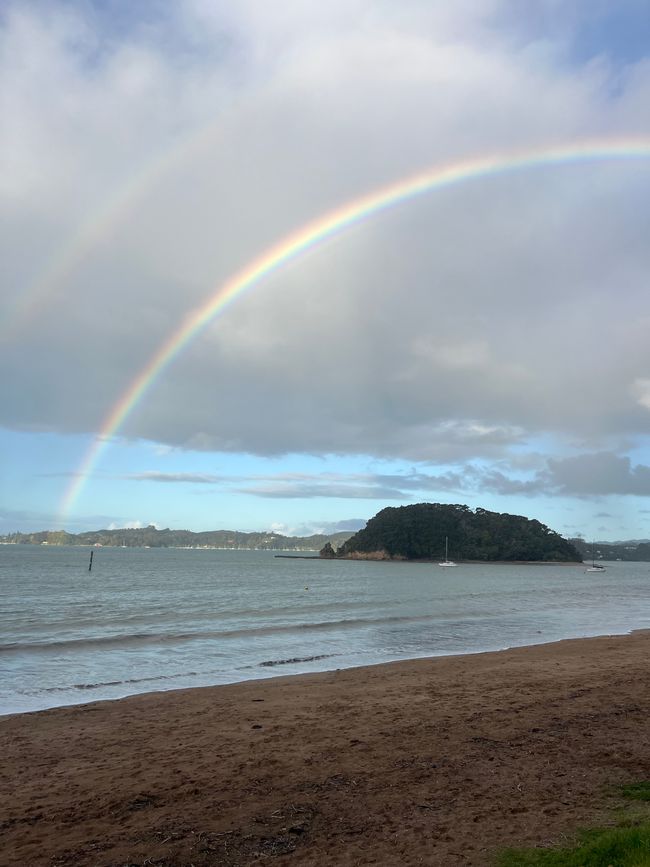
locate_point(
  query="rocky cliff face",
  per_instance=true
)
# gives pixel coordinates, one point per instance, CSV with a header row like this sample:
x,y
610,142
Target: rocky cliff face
x,y
371,555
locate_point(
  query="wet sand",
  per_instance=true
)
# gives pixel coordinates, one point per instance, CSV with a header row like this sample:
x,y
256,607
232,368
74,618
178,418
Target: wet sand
x,y
434,762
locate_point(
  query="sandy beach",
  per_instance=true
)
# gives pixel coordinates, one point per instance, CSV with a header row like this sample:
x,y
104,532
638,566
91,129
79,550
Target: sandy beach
x,y
435,762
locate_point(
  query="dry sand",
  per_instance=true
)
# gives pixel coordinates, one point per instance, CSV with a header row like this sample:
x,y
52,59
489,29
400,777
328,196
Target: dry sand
x,y
434,762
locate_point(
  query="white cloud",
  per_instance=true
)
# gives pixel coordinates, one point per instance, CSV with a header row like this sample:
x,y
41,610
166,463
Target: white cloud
x,y
641,389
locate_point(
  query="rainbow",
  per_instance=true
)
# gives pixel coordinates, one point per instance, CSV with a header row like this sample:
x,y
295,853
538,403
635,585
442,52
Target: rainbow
x,y
316,232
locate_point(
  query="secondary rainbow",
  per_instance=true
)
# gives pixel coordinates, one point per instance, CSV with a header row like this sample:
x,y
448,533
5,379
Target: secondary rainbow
x,y
95,228
314,233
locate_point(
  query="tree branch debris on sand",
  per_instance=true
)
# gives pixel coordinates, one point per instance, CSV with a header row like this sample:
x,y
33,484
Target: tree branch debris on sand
x,y
440,762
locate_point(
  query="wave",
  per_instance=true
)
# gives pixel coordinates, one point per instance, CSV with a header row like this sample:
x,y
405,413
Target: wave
x,y
128,680
177,676
293,659
145,638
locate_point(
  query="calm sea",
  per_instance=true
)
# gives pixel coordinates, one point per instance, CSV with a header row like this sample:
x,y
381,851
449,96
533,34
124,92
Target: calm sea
x,y
157,619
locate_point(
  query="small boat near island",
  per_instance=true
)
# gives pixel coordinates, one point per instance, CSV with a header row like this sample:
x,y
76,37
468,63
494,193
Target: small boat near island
x,y
447,561
595,567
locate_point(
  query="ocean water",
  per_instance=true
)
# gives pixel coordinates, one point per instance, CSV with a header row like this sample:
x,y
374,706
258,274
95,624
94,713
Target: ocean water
x,y
158,619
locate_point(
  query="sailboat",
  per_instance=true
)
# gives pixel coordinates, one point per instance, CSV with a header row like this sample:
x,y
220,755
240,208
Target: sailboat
x,y
595,567
447,561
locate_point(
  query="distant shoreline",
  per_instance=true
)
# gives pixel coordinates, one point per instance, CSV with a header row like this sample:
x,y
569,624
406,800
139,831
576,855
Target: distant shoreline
x,y
308,555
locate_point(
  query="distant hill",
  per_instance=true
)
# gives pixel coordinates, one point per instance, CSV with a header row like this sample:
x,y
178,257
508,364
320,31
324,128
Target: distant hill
x,y
626,542
634,550
418,533
153,538
497,539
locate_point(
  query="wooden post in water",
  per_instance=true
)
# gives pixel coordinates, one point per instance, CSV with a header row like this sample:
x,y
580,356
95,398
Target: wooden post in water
x,y
90,565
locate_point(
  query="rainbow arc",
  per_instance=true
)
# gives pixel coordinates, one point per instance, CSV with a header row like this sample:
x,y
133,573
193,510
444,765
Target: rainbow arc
x,y
310,236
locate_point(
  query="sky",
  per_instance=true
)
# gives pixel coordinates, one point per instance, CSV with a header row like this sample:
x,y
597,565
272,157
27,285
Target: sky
x,y
485,342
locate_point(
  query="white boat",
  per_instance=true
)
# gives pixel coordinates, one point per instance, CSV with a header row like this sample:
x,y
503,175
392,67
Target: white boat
x,y
447,561
595,567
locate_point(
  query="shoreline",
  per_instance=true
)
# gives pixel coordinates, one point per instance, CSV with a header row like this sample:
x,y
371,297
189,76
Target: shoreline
x,y
436,561
437,760
261,679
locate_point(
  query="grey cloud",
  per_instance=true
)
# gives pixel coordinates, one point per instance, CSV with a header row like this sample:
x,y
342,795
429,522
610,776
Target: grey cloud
x,y
305,490
453,328
598,474
350,486
362,486
341,485
424,481
175,478
499,483
586,475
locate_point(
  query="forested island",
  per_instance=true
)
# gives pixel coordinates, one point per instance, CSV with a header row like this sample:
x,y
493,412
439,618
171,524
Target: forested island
x,y
151,537
418,532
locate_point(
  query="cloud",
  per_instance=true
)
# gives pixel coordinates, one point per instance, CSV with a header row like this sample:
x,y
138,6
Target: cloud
x,y
595,474
317,527
292,485
641,389
584,475
326,528
374,486
175,478
599,474
500,483
451,330
304,491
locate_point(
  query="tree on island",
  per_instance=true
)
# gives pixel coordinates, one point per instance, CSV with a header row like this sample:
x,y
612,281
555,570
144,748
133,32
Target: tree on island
x,y
418,533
